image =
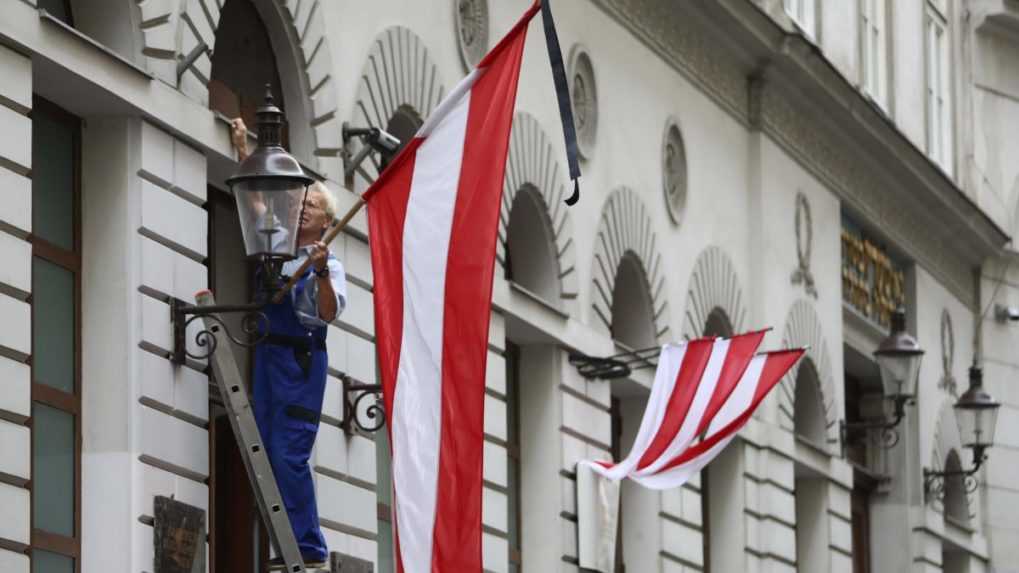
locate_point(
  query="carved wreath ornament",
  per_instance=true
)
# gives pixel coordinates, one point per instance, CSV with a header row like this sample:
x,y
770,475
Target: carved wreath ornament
x,y
804,245
472,30
947,381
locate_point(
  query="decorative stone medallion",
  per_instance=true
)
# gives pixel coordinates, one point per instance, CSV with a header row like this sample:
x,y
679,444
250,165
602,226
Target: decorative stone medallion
x,y
674,172
471,30
947,381
804,245
584,96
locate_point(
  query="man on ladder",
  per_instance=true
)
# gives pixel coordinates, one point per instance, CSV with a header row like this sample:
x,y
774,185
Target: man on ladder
x,y
290,365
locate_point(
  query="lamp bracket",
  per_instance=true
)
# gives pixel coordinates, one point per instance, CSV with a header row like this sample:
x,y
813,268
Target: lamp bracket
x,y
616,366
934,481
254,326
889,433
353,393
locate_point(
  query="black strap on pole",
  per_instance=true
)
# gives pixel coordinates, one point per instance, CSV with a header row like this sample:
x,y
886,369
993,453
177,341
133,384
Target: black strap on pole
x,y
562,90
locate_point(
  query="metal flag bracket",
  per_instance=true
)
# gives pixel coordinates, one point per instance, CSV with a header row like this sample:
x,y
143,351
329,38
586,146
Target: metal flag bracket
x,y
616,366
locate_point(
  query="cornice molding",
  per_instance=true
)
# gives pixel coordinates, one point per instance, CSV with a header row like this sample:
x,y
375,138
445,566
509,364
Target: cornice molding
x,y
824,123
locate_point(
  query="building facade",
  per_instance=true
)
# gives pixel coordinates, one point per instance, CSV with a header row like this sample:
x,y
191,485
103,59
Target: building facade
x,y
805,165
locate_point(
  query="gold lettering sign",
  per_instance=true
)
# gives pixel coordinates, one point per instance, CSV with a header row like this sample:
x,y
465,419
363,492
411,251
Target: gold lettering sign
x,y
871,282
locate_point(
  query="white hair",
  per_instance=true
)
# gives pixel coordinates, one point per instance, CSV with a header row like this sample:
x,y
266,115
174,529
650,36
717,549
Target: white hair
x,y
328,198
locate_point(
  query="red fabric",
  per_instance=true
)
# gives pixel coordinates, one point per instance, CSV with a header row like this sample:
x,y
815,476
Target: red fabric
x,y
741,350
457,541
688,379
777,364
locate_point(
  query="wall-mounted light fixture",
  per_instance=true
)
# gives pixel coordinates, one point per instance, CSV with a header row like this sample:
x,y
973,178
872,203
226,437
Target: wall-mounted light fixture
x,y
898,359
976,412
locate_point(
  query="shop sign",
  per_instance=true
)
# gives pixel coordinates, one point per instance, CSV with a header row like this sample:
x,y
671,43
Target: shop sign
x,y
873,283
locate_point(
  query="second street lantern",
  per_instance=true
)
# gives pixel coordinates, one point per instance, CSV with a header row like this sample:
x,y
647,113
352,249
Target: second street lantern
x,y
269,188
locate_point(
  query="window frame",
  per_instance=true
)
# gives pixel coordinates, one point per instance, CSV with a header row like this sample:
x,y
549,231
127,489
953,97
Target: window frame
x,y
47,395
940,132
804,14
874,67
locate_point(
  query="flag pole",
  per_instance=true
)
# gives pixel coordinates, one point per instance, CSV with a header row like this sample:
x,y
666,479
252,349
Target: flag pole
x,y
328,238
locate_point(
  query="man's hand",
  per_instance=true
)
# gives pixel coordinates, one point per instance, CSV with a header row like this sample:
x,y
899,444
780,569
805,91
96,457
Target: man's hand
x,y
319,255
239,138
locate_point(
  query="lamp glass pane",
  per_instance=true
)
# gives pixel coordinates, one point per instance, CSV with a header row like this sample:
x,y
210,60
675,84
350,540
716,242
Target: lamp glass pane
x,y
270,212
899,373
976,425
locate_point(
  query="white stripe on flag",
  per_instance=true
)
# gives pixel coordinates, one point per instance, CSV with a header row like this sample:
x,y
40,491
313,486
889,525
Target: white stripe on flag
x,y
705,390
416,420
737,403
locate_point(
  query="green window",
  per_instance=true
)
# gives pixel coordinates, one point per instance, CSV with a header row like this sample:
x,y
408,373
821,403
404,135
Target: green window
x,y
56,340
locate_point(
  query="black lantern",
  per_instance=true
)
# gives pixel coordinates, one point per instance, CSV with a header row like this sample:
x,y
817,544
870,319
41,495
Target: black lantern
x,y
898,359
977,415
270,188
976,412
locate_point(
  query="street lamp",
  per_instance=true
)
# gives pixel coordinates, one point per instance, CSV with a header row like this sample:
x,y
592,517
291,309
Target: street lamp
x,y
270,187
976,412
898,359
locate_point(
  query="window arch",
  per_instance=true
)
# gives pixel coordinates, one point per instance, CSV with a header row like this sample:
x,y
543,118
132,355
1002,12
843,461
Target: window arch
x,y
809,420
530,255
956,504
633,318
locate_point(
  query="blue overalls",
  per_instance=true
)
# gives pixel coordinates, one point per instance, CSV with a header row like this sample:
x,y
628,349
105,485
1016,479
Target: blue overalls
x,y
289,383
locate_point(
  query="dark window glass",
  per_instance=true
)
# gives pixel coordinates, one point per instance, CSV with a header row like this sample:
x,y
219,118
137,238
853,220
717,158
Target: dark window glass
x,y
46,562
56,397
60,9
53,483
53,324
53,151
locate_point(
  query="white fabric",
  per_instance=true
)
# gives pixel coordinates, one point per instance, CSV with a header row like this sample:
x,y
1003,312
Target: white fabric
x,y
597,519
741,398
417,407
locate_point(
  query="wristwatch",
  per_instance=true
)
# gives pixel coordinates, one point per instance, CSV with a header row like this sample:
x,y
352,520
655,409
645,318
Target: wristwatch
x,y
322,273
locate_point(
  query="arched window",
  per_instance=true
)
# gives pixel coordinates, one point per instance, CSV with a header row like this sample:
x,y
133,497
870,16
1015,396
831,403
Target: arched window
x,y
243,62
717,479
809,420
633,322
954,559
530,256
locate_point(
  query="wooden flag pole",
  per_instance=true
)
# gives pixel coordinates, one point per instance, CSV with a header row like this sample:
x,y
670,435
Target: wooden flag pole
x,y
328,238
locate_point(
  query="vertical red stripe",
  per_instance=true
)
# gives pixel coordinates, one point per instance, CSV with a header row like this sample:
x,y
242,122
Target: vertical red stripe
x,y
741,351
695,360
469,272
386,215
775,367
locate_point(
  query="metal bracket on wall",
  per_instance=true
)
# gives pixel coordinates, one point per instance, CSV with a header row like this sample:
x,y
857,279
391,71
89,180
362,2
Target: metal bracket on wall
x,y
617,366
184,63
353,394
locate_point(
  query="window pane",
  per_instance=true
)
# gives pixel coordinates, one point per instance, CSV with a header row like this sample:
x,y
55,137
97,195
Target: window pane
x,y
53,325
57,8
53,180
53,474
46,562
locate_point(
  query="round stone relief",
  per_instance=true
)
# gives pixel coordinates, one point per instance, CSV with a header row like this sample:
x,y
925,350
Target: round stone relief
x,y
471,30
584,95
674,172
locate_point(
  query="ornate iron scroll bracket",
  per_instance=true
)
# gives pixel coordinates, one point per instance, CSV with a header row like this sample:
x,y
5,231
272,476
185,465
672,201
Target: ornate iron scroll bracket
x,y
617,366
254,327
889,433
353,394
934,481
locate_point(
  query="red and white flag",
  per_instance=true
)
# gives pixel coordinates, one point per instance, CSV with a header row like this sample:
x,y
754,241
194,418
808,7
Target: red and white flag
x,y
704,391
432,219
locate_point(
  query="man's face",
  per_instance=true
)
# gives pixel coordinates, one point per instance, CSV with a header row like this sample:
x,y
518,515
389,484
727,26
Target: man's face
x,y
313,217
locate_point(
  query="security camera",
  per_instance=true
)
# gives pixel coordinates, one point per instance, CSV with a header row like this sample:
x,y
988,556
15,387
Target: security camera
x,y
1006,313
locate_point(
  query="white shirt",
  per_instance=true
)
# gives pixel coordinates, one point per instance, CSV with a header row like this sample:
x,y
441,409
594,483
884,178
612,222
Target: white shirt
x,y
306,305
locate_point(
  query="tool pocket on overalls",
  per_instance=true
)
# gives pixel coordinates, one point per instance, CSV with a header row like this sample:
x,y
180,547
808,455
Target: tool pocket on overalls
x,y
302,426
303,358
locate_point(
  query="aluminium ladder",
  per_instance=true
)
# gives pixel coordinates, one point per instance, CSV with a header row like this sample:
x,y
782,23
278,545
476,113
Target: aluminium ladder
x,y
249,441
